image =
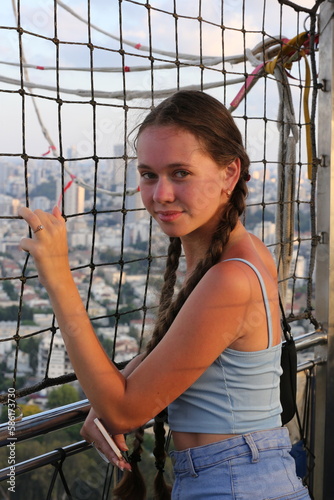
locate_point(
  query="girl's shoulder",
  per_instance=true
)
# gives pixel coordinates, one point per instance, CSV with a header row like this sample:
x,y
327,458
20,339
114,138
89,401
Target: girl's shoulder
x,y
264,255
251,249
241,279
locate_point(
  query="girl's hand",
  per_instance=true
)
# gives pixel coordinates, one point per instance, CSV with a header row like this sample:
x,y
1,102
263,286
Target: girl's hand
x,y
92,435
48,245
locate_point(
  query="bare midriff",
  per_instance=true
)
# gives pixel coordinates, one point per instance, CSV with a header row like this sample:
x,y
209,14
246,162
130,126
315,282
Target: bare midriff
x,y
185,440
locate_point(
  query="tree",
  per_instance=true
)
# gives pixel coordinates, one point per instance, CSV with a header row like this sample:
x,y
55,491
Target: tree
x,y
8,287
47,189
62,395
29,409
30,346
10,313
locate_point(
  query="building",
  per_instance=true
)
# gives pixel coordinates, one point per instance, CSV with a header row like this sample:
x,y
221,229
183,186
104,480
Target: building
x,y
117,173
8,205
23,363
133,202
4,174
267,231
74,197
59,361
41,202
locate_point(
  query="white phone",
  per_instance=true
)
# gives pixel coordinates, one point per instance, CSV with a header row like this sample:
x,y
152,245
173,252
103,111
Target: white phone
x,y
109,440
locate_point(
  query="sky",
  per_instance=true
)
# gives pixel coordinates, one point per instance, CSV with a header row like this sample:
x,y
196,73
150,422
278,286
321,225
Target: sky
x,y
133,24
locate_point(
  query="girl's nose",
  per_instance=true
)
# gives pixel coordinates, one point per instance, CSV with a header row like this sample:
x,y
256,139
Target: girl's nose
x,y
163,191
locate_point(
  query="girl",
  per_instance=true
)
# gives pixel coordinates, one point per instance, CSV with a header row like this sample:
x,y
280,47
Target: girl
x,y
214,357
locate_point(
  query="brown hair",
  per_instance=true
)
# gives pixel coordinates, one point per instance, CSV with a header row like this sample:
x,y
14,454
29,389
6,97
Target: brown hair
x,y
213,126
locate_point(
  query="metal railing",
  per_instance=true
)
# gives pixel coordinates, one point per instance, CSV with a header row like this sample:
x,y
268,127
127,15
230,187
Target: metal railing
x,y
68,415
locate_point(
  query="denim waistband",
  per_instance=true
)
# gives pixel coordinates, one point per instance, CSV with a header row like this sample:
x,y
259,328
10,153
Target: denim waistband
x,y
246,444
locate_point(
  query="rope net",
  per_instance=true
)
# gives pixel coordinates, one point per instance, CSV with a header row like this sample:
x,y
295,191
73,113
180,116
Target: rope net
x,y
75,79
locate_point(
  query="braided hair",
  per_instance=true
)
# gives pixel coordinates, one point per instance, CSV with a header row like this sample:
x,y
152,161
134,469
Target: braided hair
x,y
213,126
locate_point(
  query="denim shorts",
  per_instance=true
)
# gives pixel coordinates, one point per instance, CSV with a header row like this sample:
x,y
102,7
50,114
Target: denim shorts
x,y
253,466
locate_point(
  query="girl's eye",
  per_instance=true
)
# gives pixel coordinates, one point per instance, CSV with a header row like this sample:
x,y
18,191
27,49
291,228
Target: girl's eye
x,y
147,175
181,173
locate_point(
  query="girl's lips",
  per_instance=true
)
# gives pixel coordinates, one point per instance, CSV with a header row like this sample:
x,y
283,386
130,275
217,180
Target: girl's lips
x,y
168,216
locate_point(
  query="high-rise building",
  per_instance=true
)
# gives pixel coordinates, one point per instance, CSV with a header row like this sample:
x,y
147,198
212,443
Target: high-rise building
x,y
41,202
59,360
8,205
74,197
117,174
4,172
132,202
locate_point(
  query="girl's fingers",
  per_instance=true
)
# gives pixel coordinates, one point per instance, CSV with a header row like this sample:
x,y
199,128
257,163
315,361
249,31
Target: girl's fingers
x,y
56,212
92,435
39,218
120,441
108,455
31,218
37,223
26,244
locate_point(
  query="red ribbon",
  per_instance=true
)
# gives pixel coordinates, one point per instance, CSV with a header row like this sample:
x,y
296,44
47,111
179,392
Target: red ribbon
x,y
249,81
68,185
51,148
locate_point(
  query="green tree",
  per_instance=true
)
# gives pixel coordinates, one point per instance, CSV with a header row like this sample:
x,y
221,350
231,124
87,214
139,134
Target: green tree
x,y
127,293
8,287
10,313
30,346
47,189
29,409
256,217
63,395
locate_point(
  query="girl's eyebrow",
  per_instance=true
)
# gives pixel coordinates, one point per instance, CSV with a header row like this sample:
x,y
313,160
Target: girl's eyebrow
x,y
170,165
142,165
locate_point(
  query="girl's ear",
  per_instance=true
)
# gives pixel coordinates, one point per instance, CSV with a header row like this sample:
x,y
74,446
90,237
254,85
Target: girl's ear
x,y
232,174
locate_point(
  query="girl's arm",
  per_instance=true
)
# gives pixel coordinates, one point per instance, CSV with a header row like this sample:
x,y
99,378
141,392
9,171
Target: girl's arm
x,y
91,434
212,318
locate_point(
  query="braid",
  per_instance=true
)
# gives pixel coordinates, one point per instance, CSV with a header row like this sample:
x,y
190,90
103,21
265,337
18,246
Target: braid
x,y
161,488
167,292
132,484
172,264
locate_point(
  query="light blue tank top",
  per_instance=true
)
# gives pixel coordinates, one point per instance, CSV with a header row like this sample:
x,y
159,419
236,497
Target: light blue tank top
x,y
238,393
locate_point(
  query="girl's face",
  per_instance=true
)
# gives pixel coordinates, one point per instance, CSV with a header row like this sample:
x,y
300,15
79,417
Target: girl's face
x,y
181,186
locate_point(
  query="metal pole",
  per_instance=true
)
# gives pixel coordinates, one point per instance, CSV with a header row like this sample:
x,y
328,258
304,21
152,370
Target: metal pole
x,y
323,487
46,421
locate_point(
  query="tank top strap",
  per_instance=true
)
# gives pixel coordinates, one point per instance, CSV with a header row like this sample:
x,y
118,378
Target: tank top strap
x,y
264,295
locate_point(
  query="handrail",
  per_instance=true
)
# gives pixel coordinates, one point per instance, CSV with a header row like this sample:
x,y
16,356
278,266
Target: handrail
x,y
46,459
310,339
308,365
46,421
52,456
65,416
59,454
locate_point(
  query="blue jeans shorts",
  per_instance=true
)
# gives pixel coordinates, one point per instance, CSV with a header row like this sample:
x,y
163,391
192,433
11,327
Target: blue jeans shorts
x,y
254,466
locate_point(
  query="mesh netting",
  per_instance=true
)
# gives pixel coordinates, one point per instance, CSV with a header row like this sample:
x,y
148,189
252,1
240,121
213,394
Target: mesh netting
x,y
76,78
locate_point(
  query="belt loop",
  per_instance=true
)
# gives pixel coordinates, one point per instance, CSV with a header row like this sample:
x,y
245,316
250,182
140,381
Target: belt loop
x,y
251,443
190,463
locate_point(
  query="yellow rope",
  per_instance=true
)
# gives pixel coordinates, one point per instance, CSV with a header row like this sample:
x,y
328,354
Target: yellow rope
x,y
288,54
291,51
